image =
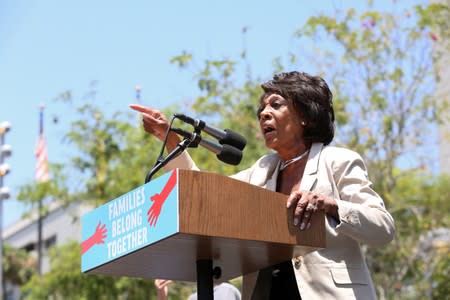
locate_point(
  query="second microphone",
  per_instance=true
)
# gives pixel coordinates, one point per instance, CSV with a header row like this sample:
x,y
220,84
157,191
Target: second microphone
x,y
225,153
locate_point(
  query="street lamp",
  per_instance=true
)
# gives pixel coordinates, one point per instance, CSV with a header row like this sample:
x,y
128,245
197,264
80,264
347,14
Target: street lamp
x,y
4,192
5,151
4,169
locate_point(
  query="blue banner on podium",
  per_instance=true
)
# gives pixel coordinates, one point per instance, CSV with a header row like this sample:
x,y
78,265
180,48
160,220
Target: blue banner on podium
x,y
130,222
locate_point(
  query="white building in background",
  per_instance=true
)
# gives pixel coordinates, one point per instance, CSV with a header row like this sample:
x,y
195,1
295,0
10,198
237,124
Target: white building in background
x,y
58,227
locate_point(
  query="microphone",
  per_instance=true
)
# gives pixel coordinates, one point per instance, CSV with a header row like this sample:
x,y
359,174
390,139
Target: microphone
x,y
225,153
226,136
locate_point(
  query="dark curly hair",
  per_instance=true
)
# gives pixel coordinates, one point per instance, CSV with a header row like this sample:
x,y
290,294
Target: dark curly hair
x,y
311,97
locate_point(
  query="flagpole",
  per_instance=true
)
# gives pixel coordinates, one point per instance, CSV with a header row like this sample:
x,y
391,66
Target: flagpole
x,y
39,224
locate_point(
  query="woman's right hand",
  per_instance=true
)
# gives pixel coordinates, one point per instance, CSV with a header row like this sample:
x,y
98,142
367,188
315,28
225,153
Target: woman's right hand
x,y
156,123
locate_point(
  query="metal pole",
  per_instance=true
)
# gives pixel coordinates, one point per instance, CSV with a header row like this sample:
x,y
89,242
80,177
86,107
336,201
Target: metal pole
x,y
39,221
5,150
205,289
39,243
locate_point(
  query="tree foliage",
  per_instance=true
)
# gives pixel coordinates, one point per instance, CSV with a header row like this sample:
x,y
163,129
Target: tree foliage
x,y
381,63
417,259
226,101
18,265
64,280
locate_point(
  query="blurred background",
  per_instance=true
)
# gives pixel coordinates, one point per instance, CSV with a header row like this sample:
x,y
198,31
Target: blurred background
x,y
69,141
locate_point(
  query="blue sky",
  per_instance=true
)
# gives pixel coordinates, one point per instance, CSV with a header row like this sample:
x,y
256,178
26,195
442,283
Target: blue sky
x,y
50,46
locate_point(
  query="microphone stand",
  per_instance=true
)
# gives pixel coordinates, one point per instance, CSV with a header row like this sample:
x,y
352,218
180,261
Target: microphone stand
x,y
161,162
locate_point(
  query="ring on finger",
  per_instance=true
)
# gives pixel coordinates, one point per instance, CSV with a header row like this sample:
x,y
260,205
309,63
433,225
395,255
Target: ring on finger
x,y
310,207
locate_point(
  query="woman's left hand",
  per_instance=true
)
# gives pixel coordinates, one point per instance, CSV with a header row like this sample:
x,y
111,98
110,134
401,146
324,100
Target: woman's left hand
x,y
162,288
307,203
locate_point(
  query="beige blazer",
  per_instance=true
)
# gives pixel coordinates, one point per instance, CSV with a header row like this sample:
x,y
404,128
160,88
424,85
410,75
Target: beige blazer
x,y
339,271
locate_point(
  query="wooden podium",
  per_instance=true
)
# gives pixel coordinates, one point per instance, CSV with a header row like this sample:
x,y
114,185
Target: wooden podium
x,y
236,226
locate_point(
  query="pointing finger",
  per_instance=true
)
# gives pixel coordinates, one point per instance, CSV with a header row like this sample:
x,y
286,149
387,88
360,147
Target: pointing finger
x,y
140,108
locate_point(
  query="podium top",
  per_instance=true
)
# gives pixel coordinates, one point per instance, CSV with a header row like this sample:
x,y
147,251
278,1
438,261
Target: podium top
x,y
184,216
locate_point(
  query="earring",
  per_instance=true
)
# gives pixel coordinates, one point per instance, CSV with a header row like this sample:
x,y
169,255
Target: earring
x,y
303,123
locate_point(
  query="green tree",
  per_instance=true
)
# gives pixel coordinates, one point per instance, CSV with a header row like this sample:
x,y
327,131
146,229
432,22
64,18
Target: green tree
x,y
415,261
226,101
18,266
64,280
381,66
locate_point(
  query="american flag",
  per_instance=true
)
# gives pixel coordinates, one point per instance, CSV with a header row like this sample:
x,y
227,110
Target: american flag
x,y
41,152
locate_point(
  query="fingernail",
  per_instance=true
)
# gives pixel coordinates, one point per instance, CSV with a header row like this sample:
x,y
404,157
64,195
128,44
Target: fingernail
x,y
302,226
308,226
295,222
